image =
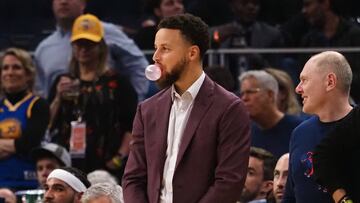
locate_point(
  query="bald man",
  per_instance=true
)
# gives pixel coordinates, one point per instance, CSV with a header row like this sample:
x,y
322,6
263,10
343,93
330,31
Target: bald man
x,y
281,172
324,87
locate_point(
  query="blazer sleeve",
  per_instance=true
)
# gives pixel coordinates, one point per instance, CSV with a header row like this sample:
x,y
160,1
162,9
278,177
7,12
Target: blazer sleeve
x,y
232,154
134,181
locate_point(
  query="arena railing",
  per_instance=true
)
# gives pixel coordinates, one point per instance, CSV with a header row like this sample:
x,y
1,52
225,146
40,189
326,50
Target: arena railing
x,y
221,53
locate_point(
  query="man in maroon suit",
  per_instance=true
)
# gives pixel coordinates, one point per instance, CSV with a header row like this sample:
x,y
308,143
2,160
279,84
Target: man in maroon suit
x,y
191,140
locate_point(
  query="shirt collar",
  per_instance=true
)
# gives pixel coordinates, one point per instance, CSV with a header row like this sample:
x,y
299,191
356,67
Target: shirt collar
x,y
62,32
193,90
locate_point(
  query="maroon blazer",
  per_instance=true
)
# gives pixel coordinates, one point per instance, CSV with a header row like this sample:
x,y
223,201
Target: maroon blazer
x,y
213,156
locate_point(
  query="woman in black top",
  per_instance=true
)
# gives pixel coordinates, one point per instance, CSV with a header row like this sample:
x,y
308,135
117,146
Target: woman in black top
x,y
94,100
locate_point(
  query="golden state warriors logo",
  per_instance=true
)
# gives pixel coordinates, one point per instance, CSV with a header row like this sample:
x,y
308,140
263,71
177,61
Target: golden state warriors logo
x,y
86,25
10,128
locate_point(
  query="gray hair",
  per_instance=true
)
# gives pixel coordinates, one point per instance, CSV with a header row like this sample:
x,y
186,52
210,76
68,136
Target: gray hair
x,y
101,176
265,80
112,191
335,62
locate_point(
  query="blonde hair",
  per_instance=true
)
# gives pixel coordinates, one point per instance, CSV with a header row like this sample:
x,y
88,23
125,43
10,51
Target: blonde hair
x,y
26,61
289,104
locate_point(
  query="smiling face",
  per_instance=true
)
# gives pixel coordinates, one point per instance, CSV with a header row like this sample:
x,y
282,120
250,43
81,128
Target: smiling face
x,y
171,50
14,77
312,88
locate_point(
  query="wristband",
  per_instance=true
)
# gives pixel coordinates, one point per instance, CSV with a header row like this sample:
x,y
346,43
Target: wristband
x,y
117,160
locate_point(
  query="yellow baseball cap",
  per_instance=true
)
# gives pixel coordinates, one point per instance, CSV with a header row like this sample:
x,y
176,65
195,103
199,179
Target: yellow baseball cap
x,y
88,27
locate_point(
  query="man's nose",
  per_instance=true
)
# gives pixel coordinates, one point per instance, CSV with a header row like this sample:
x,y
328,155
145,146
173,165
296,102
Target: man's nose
x,y
244,97
48,194
298,89
156,57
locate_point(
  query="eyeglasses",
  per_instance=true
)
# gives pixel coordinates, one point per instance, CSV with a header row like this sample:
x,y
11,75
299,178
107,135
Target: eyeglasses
x,y
87,44
249,91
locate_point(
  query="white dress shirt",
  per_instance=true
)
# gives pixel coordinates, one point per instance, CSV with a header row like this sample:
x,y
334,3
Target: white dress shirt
x,y
179,115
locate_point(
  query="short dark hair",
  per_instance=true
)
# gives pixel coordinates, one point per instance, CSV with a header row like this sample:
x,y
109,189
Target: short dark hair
x,y
192,28
79,174
269,161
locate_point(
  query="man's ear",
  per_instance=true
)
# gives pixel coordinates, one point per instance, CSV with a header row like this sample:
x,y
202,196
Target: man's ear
x,y
271,95
78,196
194,52
266,187
331,81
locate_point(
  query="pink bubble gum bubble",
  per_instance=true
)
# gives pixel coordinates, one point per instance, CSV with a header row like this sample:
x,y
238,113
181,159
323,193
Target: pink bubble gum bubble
x,y
153,72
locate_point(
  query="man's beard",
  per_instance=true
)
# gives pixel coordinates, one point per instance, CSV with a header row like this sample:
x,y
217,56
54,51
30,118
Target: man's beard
x,y
169,78
247,196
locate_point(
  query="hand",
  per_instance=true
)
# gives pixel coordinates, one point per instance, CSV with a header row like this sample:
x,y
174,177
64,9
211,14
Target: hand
x,y
65,84
227,30
7,148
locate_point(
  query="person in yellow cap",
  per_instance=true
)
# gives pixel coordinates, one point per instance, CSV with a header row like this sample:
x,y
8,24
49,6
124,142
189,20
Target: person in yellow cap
x,y
53,53
87,27
92,107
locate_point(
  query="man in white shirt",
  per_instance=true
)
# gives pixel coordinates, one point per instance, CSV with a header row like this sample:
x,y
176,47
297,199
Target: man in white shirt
x,y
191,140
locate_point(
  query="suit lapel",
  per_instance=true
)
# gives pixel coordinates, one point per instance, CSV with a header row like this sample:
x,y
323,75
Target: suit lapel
x,y
201,105
162,122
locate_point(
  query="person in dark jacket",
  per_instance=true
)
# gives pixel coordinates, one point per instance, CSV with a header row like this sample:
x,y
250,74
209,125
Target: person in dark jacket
x,y
336,160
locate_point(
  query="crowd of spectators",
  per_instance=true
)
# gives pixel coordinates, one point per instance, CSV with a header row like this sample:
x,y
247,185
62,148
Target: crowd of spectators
x,y
72,74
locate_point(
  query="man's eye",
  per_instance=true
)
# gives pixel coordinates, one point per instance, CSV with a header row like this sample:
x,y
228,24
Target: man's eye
x,y
58,189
